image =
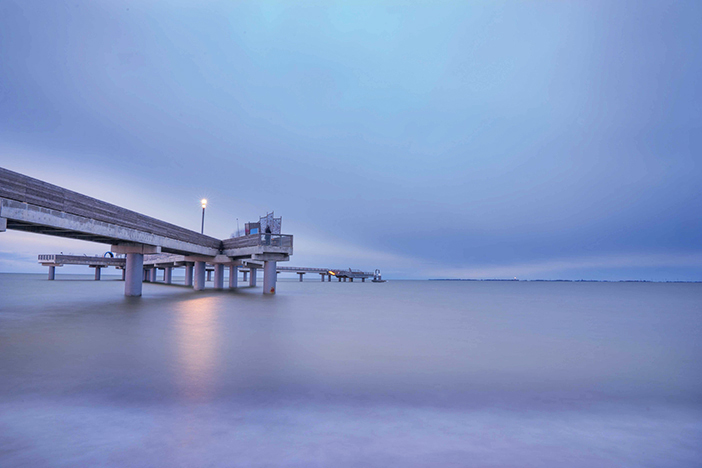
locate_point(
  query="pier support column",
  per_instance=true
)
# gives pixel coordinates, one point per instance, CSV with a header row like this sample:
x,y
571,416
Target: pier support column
x,y
329,278
199,273
246,275
270,275
52,273
152,274
124,273
219,276
145,275
134,273
363,280
209,275
252,277
134,265
97,272
168,275
301,273
351,280
233,276
339,279
188,274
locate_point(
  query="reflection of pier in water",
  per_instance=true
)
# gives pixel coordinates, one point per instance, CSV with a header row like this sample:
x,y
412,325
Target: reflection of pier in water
x,y
197,343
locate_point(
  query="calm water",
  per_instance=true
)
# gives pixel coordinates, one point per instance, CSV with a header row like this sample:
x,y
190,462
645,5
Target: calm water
x,y
348,374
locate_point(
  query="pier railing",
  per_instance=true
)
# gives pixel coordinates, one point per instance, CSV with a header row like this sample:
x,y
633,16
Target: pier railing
x,y
62,259
255,240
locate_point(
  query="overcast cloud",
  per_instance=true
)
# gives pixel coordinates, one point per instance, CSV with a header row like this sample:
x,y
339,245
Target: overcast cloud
x,y
462,139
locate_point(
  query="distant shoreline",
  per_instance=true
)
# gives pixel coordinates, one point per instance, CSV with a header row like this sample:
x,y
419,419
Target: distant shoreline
x,y
562,280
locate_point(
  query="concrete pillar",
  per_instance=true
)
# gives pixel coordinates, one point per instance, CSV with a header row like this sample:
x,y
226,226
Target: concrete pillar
x,y
270,275
234,278
209,275
321,277
152,274
97,273
124,274
301,273
199,273
339,279
145,275
329,278
351,279
252,277
134,274
246,275
219,276
52,273
363,280
188,274
168,275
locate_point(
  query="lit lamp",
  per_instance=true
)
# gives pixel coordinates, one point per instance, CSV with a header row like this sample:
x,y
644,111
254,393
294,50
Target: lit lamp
x,y
204,205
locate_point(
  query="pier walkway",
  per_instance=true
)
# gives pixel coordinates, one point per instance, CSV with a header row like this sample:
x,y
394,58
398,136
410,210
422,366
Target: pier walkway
x,y
32,205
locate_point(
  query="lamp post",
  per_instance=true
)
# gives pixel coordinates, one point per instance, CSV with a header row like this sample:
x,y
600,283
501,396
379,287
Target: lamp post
x,y
204,205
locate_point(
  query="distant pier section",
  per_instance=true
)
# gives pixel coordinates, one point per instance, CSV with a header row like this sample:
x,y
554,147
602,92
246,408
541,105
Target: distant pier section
x,y
162,265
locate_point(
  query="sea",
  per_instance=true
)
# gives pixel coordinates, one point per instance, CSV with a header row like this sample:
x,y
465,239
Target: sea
x,y
395,374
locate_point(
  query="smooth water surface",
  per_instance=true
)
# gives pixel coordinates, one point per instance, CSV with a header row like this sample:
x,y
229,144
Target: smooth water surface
x,y
405,373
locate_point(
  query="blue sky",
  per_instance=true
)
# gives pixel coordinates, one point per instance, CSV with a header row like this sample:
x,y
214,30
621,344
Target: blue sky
x,y
428,139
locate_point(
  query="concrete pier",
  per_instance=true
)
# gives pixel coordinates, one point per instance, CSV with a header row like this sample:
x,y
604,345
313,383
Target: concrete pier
x,y
199,274
168,275
219,276
189,274
233,276
97,271
209,275
124,272
153,274
52,273
246,275
301,273
32,205
270,276
252,277
134,271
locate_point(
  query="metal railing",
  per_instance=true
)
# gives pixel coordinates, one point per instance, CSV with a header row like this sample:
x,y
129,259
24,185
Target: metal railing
x,y
254,240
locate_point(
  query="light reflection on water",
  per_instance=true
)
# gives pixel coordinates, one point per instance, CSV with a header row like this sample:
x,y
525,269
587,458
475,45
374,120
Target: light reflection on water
x,y
350,374
196,347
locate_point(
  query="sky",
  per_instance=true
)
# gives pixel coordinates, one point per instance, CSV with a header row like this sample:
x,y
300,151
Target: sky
x,y
482,139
